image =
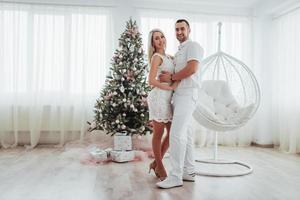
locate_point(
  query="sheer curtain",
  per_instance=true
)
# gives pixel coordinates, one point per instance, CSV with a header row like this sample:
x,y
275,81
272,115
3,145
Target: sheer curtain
x,y
236,40
53,62
285,82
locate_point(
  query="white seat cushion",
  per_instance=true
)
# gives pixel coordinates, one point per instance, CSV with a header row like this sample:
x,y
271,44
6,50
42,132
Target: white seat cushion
x,y
217,104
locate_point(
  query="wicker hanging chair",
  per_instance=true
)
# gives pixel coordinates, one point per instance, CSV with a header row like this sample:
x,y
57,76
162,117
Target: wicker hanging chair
x,y
228,99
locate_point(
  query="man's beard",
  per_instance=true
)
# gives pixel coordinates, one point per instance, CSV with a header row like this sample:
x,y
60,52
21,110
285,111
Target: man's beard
x,y
181,39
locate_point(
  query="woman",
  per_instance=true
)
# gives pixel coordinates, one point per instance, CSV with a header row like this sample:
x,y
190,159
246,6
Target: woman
x,y
159,99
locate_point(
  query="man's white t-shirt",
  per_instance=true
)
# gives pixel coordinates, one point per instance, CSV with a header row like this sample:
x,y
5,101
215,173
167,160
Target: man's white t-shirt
x,y
187,51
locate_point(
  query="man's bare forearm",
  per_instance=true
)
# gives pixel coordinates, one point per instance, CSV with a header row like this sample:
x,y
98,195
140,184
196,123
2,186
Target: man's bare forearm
x,y
189,70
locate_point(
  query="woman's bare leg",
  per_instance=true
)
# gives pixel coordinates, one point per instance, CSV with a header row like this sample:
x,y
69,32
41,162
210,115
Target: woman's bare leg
x,y
158,131
165,142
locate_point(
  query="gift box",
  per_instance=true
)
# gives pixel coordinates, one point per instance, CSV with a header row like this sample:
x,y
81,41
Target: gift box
x,y
122,156
122,142
98,154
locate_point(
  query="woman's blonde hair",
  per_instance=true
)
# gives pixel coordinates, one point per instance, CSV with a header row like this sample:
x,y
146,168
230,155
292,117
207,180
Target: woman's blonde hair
x,y
151,49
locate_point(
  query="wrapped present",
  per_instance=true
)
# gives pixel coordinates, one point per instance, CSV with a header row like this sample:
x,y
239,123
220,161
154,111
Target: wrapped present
x,y
98,154
122,142
122,156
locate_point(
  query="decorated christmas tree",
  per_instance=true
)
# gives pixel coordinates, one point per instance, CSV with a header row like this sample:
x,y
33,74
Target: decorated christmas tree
x,y
122,106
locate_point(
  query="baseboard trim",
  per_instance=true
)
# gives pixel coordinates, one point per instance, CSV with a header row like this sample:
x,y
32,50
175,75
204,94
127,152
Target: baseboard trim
x,y
262,145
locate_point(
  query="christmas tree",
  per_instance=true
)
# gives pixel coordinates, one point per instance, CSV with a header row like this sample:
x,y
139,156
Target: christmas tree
x,y
122,106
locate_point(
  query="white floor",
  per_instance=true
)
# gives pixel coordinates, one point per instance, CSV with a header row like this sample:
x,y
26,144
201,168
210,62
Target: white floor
x,y
56,174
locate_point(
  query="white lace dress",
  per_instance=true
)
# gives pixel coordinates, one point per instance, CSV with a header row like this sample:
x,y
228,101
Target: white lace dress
x,y
159,101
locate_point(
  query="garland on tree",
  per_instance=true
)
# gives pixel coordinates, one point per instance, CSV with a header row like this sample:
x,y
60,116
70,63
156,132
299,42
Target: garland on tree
x,y
122,106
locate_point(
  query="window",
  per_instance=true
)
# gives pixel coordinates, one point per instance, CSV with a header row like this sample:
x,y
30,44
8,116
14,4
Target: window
x,y
236,32
53,49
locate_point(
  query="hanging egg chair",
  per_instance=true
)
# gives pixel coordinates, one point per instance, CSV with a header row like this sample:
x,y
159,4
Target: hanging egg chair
x,y
228,99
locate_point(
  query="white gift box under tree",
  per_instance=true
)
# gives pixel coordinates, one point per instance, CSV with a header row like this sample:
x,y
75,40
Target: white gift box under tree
x,y
122,156
122,142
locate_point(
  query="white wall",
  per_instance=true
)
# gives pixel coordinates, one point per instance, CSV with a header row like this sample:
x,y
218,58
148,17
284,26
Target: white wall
x,y
262,30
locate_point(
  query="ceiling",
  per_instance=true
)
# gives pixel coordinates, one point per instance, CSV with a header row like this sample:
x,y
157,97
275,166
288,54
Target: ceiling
x,y
220,3
232,6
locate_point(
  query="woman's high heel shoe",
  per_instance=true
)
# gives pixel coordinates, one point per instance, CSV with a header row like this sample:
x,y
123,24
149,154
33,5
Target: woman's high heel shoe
x,y
152,166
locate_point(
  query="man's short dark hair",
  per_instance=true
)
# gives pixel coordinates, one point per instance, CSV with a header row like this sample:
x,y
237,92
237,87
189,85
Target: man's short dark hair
x,y
183,20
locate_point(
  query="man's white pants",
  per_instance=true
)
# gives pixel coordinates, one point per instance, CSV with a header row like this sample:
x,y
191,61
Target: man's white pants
x,y
182,134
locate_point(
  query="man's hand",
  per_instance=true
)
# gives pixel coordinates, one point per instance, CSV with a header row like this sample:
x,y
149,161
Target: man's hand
x,y
165,76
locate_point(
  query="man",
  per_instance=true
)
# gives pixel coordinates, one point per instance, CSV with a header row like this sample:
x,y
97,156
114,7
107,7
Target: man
x,y
187,61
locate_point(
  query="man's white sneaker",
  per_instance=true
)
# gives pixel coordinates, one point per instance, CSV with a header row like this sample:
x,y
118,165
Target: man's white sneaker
x,y
170,182
189,177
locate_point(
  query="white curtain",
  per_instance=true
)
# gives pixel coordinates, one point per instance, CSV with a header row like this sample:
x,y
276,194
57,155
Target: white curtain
x,y
53,62
285,73
236,40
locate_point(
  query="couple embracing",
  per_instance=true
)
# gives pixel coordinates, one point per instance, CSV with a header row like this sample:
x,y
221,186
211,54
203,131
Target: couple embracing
x,y
172,102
